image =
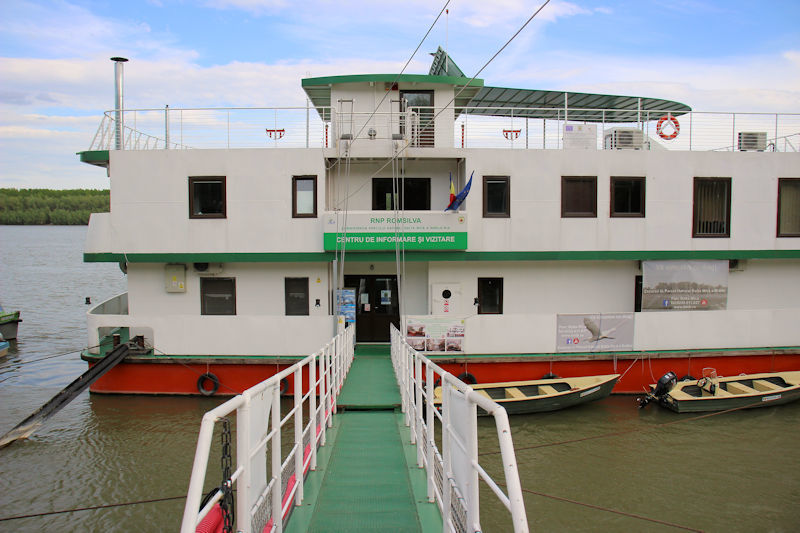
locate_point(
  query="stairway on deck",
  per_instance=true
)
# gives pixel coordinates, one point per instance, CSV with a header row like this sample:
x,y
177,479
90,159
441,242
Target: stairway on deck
x,y
367,479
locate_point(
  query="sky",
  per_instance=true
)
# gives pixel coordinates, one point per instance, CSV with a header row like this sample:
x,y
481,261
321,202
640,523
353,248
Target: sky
x,y
56,79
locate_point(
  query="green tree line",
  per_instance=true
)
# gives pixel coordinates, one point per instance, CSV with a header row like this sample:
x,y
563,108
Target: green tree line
x,y
48,206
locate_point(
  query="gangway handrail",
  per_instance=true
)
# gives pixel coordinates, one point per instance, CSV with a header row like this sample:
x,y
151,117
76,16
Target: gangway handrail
x,y
268,480
453,473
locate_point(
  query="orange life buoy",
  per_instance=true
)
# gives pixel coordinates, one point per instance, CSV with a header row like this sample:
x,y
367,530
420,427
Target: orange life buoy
x,y
663,121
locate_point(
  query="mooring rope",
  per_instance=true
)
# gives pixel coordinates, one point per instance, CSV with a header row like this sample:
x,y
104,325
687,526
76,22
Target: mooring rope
x,y
92,508
610,510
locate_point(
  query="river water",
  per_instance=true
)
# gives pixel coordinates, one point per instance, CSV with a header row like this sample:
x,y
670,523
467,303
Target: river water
x,y
605,466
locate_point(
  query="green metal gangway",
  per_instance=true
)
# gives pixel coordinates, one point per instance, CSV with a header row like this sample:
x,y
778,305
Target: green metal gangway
x,y
367,478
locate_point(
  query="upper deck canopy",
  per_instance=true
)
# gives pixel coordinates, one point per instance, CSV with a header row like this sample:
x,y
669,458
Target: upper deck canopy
x,y
477,99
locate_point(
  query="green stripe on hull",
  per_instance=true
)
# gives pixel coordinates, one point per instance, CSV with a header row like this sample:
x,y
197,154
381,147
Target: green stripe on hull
x,y
426,256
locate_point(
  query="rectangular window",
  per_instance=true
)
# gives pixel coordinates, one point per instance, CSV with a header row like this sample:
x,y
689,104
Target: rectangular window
x,y
712,207
490,296
578,196
207,197
627,196
218,296
496,197
304,197
414,194
296,296
789,207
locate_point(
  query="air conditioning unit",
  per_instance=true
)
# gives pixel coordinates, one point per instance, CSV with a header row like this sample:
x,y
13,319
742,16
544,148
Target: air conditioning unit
x,y
752,141
623,139
208,268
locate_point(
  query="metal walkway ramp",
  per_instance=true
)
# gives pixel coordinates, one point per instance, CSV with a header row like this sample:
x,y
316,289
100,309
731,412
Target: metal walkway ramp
x,y
367,479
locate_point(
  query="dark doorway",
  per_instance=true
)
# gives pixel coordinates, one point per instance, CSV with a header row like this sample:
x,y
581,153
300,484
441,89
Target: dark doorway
x,y
421,103
377,306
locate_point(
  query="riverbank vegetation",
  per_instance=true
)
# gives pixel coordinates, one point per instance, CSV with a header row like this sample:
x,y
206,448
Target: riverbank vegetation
x,y
48,206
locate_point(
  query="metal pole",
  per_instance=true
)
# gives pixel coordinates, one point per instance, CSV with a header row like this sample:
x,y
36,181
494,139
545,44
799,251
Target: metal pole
x,y
118,102
166,127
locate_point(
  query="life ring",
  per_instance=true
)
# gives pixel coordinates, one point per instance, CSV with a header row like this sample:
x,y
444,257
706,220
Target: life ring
x,y
663,121
468,378
201,382
284,386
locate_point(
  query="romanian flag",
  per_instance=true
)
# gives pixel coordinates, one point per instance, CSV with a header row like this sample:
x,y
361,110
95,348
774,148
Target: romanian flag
x,y
456,202
452,190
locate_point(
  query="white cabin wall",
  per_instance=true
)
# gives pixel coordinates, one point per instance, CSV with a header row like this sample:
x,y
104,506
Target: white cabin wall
x,y
766,284
150,201
545,287
260,288
535,183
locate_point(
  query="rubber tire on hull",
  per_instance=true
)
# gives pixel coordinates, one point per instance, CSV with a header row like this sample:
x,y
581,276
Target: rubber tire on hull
x,y
468,378
201,382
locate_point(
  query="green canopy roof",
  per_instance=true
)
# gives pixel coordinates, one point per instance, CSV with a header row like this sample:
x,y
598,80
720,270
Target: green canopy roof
x,y
476,99
534,103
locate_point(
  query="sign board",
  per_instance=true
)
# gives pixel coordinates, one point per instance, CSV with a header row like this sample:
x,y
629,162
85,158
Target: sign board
x,y
607,332
346,304
432,333
684,285
381,230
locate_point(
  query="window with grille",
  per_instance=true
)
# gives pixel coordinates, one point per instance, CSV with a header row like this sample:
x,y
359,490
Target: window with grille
x,y
789,207
712,207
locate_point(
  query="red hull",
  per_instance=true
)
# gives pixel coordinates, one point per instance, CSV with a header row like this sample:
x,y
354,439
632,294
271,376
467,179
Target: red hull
x,y
637,373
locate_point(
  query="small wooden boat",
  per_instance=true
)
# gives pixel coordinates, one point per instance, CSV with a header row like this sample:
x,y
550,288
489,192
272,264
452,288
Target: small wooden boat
x,y
9,322
713,393
540,395
3,346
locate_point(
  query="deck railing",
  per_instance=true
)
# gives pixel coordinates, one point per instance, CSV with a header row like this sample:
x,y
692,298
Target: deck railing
x,y
267,479
306,127
453,472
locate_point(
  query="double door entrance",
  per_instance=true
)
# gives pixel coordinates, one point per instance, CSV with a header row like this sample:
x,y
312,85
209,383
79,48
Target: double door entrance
x,y
377,306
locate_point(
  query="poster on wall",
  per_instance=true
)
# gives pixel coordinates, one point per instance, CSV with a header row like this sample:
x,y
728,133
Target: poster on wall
x,y
684,285
346,304
432,333
607,332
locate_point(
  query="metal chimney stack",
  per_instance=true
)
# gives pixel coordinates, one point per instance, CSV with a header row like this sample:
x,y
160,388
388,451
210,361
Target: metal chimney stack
x,y
118,103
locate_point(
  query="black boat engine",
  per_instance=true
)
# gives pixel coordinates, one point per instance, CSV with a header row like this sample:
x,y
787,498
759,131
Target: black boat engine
x,y
664,385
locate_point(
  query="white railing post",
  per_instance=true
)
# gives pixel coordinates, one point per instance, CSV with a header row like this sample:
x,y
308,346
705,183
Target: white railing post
x,y
275,462
300,449
312,407
430,433
243,452
447,471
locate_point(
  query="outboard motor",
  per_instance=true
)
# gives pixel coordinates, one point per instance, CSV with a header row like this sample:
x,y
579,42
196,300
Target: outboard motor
x,y
664,385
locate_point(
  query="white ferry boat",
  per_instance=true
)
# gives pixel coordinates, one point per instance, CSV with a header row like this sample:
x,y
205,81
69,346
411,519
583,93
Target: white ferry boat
x,y
590,234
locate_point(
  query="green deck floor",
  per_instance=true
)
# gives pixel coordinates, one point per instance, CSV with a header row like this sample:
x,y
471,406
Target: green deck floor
x,y
367,480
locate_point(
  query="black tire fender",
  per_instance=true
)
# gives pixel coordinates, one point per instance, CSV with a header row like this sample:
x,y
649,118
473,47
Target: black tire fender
x,y
201,384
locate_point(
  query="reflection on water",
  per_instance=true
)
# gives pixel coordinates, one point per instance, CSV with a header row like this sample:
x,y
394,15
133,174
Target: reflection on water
x,y
733,472
737,471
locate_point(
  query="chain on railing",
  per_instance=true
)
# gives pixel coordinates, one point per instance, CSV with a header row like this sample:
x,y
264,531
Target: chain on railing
x,y
454,472
268,481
